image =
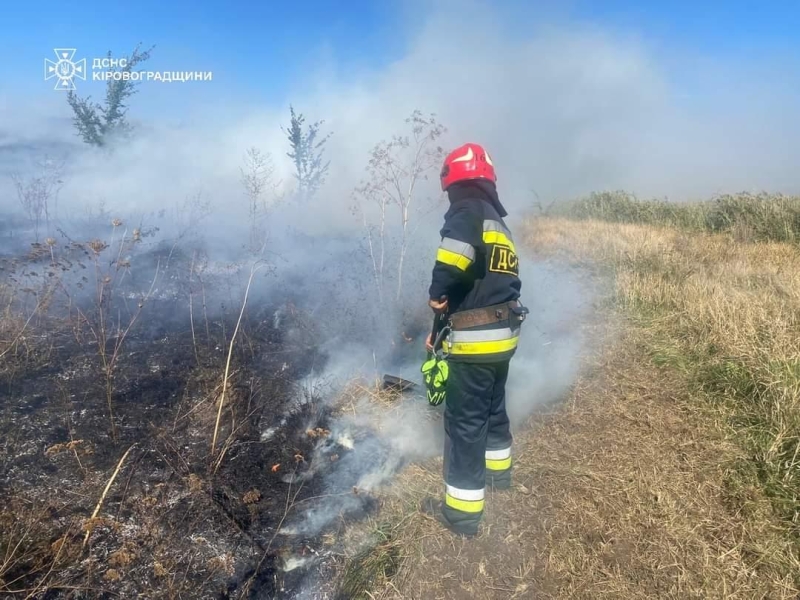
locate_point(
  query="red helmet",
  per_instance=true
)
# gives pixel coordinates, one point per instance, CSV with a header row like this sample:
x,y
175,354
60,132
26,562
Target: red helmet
x,y
469,161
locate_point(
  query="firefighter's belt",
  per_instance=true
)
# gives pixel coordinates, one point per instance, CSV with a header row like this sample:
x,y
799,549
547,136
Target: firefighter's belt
x,y
489,315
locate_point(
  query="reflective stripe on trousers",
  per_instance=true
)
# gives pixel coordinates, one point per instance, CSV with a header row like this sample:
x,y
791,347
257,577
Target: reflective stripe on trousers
x,y
468,501
498,460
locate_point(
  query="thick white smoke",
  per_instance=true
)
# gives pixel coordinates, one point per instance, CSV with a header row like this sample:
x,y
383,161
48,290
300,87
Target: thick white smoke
x,y
376,438
564,108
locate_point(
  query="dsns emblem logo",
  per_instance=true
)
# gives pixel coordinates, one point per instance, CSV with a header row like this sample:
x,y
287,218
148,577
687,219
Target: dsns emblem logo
x,y
65,70
504,260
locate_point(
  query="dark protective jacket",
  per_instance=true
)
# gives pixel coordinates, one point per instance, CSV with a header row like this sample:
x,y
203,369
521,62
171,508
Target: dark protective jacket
x,y
477,267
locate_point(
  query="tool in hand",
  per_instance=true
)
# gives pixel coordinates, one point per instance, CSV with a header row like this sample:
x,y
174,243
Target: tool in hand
x,y
434,369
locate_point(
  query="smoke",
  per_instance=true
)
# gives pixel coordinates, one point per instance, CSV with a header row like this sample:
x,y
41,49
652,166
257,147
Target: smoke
x,y
374,438
548,356
564,107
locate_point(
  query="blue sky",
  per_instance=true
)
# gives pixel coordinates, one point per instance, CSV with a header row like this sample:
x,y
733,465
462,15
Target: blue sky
x,y
743,28
256,46
262,47
676,98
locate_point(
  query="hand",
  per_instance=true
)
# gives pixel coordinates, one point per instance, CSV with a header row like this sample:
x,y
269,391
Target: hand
x,y
438,306
429,342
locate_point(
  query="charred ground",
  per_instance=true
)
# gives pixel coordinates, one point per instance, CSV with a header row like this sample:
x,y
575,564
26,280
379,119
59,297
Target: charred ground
x,y
176,517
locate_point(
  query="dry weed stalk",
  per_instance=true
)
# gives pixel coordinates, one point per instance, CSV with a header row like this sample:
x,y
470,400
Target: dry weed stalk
x,y
257,176
61,543
291,501
101,328
230,440
105,493
12,344
395,171
253,271
15,553
191,309
197,270
36,193
11,319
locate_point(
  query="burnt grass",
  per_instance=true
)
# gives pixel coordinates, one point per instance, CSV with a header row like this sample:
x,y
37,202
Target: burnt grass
x,y
177,521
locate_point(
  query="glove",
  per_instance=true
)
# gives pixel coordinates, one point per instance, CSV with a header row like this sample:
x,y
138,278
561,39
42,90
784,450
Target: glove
x,y
434,372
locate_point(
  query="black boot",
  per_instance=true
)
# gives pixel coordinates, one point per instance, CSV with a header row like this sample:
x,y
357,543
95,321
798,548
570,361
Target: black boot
x,y
435,508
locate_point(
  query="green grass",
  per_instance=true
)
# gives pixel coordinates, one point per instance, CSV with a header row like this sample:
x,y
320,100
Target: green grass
x,y
377,561
767,422
749,217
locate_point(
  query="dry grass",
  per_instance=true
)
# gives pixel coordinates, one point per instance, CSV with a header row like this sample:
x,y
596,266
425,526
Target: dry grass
x,y
724,313
620,493
671,470
12,322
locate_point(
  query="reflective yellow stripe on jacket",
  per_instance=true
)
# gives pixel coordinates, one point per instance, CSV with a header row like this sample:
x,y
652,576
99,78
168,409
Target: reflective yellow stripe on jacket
x,y
495,233
488,341
456,253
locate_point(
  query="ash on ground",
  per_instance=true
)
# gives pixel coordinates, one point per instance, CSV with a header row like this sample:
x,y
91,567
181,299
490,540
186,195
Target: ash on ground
x,y
126,359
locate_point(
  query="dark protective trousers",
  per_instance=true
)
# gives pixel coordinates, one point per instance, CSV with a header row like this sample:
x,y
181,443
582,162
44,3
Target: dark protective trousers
x,y
477,440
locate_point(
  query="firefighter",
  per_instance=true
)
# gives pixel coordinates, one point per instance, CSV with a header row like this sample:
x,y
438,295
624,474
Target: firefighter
x,y
476,285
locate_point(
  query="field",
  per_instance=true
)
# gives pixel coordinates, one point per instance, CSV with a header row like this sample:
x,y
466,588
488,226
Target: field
x,y
670,467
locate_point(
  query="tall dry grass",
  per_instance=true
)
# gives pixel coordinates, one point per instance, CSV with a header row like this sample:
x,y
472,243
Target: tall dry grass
x,y
748,217
724,313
